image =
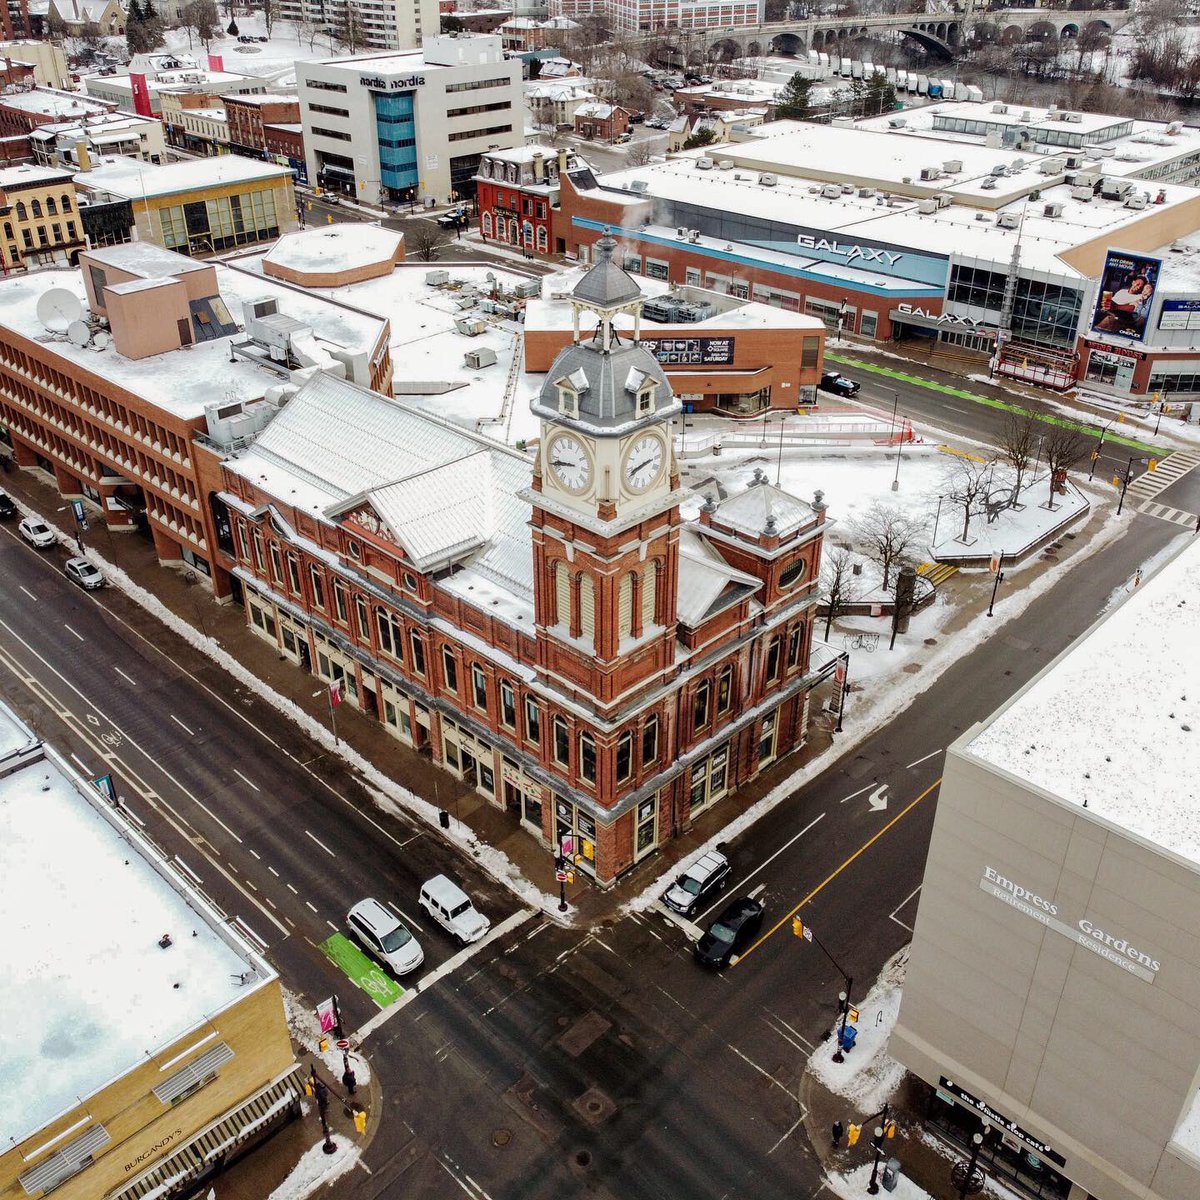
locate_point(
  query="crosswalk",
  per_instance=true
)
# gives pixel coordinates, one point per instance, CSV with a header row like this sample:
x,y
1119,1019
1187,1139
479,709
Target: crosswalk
x,y
936,573
1170,470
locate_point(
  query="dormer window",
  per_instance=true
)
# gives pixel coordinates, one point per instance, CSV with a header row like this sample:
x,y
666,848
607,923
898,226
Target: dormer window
x,y
645,400
568,400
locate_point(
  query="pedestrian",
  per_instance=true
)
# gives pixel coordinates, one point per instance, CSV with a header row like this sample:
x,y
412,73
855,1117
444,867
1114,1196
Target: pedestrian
x,y
349,1081
79,542
836,1133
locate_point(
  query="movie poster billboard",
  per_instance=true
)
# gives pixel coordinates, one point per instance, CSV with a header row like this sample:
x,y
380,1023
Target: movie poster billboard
x,y
1126,294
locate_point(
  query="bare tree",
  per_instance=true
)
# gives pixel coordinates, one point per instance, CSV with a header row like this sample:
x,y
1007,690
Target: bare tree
x,y
639,153
966,484
839,584
1063,449
1018,442
268,12
426,241
202,17
888,534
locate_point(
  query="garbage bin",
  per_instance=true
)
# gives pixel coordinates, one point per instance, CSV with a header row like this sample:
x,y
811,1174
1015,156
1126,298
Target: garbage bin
x,y
891,1174
847,1037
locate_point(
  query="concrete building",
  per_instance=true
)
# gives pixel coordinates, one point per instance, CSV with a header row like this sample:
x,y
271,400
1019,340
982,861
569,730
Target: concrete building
x,y
390,127
142,92
909,227
154,1028
45,60
121,422
380,24
198,207
1054,978
39,216
548,627
643,16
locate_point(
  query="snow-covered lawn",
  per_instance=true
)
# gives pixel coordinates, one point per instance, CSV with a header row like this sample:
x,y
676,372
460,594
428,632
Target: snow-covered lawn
x,y
1013,530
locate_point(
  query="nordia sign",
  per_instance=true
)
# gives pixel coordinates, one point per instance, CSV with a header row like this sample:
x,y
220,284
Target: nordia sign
x,y
390,85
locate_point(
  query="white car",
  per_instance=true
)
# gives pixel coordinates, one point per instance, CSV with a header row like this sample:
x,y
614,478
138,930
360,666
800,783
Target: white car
x,y
37,533
382,934
452,909
80,571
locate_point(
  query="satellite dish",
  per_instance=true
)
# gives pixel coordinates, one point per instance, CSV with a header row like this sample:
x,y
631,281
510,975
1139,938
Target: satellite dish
x,y
57,308
101,340
79,333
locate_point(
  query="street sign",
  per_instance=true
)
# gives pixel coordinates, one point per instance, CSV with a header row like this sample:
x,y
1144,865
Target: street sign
x,y
80,515
840,671
567,846
327,1014
343,1043
104,785
560,876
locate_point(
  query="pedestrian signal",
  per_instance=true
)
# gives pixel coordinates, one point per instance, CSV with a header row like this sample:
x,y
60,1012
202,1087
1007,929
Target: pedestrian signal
x,y
797,927
853,1134
890,1129
360,1120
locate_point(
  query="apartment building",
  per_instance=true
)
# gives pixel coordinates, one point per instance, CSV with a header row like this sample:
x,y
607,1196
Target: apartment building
x,y
378,24
39,216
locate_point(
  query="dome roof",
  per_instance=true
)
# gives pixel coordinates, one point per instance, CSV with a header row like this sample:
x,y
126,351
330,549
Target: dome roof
x,y
606,285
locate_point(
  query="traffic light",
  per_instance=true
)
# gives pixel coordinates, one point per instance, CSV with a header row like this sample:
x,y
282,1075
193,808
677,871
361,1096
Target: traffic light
x,y
797,927
890,1129
360,1120
853,1134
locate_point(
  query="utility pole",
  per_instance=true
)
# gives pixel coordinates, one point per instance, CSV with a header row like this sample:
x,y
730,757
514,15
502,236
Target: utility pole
x,y
801,930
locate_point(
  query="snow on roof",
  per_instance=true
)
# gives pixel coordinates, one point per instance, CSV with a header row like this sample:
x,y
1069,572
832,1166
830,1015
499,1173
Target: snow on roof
x,y
133,179
705,577
86,903
14,735
335,247
28,175
53,103
600,111
182,382
749,512
1114,722
263,98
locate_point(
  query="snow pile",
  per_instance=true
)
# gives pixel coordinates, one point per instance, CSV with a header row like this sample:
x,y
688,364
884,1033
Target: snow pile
x,y
306,1033
868,1075
852,1185
317,1169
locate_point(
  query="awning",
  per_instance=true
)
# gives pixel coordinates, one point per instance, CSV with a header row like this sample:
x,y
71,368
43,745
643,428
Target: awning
x,y
197,1155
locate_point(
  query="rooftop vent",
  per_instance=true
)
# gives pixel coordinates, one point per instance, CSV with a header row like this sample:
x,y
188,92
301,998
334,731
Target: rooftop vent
x,y
766,179
926,207
1000,109
641,186
1054,209
1008,220
704,164
831,191
952,166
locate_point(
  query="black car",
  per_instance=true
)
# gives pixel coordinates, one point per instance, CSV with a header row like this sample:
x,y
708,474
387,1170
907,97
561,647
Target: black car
x,y
8,509
730,934
832,381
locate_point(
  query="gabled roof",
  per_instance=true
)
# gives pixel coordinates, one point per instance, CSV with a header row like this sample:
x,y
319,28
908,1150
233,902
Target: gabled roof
x,y
706,579
606,285
749,512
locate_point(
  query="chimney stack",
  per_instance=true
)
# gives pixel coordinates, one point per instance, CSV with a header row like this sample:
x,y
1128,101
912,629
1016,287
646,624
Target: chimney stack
x,y
82,156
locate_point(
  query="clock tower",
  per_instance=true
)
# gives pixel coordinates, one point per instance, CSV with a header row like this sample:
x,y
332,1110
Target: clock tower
x,y
605,498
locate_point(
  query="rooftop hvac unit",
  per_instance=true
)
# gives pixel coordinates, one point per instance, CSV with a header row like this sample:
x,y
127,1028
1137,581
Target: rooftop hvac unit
x,y
926,207
831,191
1175,127
1081,192
738,175
847,189
529,287
704,164
693,235
640,186
1054,209
1073,118
766,179
897,122
1050,166
943,199
981,216
437,278
999,170
1136,200
1026,117
1074,162
725,164
928,173
470,326
1000,109
866,192
952,166
1104,151
483,357
1008,220
1036,194
680,233
989,183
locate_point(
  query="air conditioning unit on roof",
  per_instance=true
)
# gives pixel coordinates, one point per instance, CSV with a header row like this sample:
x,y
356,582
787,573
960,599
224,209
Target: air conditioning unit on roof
x,y
766,179
1008,220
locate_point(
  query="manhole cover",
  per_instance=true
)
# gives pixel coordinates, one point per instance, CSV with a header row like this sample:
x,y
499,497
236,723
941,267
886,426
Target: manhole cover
x,y
583,1158
501,1137
594,1106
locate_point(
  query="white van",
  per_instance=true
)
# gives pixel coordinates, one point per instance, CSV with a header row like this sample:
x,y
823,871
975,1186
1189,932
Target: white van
x,y
452,909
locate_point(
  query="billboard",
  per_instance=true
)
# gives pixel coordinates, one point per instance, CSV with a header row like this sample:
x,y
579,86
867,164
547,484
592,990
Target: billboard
x,y
691,351
1126,294
1179,314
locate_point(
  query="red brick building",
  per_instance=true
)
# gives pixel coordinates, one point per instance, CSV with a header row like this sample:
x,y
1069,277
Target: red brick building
x,y
247,116
516,191
550,630
286,142
23,112
601,122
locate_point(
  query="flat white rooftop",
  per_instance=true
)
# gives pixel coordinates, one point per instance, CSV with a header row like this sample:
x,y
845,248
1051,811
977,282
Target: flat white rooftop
x,y
27,176
132,179
1114,723
53,103
90,991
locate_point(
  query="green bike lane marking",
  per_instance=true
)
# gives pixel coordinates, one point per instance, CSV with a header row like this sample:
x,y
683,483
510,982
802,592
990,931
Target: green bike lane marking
x,y
341,951
975,397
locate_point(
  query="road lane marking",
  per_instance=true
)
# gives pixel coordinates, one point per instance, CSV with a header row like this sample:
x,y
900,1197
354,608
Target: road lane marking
x,y
398,909
292,889
858,793
310,905
188,871
787,917
127,678
251,783
73,633
181,725
790,1029
764,863
26,591
256,854
359,969
82,765
921,760
272,870
786,1135
321,844
892,914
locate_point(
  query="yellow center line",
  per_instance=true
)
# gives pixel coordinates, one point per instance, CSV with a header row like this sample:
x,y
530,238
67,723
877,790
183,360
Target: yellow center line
x,y
821,886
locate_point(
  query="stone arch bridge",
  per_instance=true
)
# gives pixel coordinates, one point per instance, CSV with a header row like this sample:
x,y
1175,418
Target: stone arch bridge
x,y
939,33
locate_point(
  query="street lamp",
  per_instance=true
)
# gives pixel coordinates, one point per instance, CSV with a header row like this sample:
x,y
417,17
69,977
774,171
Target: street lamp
x,y
876,1145
936,519
1125,481
966,1176
899,451
998,570
779,458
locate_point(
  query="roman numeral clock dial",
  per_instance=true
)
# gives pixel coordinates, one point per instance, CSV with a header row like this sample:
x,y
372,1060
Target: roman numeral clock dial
x,y
643,464
570,463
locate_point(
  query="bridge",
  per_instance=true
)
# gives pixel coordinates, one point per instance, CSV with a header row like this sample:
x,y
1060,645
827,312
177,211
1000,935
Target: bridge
x,y
939,33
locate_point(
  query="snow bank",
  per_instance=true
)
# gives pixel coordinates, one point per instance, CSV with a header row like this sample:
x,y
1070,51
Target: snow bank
x,y
306,1033
316,1169
868,1075
852,1185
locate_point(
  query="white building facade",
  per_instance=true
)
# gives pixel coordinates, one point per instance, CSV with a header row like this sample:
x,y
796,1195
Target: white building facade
x,y
400,127
380,24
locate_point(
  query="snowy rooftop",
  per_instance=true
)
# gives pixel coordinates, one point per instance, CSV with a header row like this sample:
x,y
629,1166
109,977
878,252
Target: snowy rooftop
x,y
132,179
53,103
182,382
1115,721
86,908
27,176
745,90
335,247
13,735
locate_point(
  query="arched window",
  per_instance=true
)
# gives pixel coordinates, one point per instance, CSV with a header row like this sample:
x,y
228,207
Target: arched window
x,y
51,207
528,233
625,607
562,594
649,595
486,225
21,211
587,608
66,202
36,207
543,240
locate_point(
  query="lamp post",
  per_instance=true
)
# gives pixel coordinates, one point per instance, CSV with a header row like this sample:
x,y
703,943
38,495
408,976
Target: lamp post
x,y
937,517
806,932
895,407
845,673
779,457
876,1146
1125,481
321,1094
899,451
998,569
966,1176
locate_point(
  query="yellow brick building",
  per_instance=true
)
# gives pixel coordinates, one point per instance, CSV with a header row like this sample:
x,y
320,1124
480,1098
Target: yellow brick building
x,y
39,218
153,1046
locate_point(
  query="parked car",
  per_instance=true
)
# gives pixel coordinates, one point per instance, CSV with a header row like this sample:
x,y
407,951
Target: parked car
x,y
80,571
704,878
832,381
330,198
37,533
8,509
451,907
730,934
385,937
455,219
637,118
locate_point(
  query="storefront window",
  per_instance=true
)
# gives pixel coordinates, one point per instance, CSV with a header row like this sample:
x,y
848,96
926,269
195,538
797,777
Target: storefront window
x,y
766,740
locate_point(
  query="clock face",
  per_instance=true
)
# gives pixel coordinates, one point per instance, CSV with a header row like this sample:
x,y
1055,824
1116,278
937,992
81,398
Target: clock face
x,y
644,463
568,459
